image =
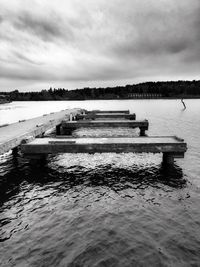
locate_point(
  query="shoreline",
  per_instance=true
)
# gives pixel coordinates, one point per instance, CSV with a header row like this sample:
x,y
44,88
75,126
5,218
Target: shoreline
x,y
4,102
104,99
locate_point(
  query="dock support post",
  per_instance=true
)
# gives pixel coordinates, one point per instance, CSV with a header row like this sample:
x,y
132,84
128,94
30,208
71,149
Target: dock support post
x,y
15,151
58,129
168,158
142,131
132,117
68,131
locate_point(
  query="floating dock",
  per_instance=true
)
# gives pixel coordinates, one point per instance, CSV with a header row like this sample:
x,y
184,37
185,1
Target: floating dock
x,y
109,115
69,126
11,135
108,111
171,146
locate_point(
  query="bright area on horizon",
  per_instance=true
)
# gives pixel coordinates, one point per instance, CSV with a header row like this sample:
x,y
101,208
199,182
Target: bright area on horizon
x,y
76,43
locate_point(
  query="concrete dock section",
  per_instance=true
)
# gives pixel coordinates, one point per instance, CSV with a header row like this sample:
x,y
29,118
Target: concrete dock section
x,y
69,126
109,116
171,146
12,135
108,111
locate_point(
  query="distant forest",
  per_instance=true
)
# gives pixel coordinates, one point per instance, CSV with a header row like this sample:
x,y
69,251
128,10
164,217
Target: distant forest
x,y
171,89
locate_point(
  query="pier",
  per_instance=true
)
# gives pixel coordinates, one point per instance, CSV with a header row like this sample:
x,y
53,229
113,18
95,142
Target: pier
x,y
34,145
107,111
114,116
69,126
12,135
171,146
95,114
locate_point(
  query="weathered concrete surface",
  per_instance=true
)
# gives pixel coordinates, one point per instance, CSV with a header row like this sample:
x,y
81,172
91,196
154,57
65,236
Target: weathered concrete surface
x,y
105,123
114,116
69,126
109,111
171,145
12,135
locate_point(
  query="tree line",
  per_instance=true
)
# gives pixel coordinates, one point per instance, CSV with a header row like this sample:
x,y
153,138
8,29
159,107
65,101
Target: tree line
x,y
171,89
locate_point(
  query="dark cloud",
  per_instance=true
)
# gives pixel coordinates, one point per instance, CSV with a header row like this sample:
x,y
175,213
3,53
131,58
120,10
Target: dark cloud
x,y
45,28
145,47
22,57
157,33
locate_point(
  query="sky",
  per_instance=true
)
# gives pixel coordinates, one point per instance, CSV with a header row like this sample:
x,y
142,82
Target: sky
x,y
86,43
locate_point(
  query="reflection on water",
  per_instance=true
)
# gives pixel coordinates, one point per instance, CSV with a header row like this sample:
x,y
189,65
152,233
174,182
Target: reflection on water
x,y
105,209
116,172
82,192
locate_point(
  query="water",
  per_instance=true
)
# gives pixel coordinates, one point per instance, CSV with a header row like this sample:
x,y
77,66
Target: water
x,y
103,209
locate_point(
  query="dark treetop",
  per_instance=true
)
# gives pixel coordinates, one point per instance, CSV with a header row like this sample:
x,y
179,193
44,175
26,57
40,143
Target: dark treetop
x,y
171,89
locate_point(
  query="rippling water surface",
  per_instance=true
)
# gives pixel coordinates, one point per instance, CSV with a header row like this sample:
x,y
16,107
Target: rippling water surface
x,y
103,209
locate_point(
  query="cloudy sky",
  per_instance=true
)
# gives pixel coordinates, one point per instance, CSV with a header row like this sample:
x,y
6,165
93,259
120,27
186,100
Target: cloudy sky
x,y
77,43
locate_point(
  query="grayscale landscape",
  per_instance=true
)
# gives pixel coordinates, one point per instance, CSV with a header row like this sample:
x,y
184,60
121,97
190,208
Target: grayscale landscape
x,y
99,133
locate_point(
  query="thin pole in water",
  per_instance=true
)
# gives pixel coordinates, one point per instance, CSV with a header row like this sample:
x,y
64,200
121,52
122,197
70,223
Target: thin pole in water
x,y
183,103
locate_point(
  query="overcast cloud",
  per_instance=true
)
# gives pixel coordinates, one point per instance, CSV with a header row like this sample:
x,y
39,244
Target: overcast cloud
x,y
76,43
